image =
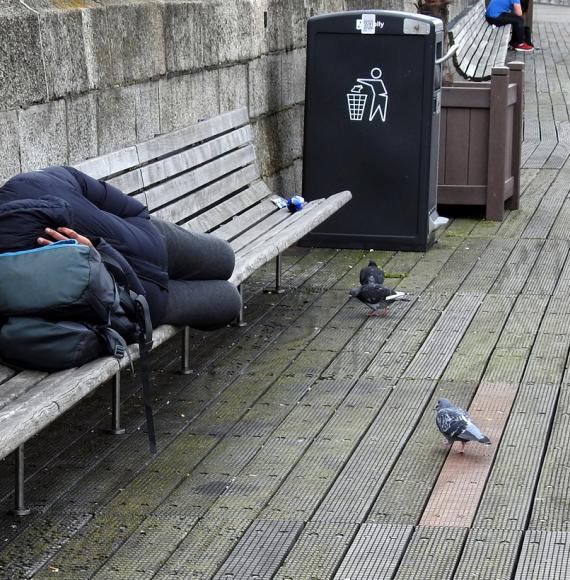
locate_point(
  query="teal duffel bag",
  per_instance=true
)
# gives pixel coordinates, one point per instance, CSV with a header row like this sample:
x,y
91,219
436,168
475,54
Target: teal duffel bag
x,y
46,345
61,281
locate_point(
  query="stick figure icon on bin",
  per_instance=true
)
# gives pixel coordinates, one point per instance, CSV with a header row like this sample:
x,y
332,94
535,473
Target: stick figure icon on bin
x,y
376,90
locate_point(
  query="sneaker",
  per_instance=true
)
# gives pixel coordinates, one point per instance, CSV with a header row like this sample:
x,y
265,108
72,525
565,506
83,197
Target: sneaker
x,y
524,47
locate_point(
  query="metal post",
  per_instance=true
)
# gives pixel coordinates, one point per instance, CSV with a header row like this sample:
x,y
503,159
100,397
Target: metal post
x,y
19,502
116,428
185,368
277,289
240,319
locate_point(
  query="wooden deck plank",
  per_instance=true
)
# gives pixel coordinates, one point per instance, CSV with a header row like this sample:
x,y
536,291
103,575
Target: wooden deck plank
x,y
432,553
375,552
544,555
492,553
455,498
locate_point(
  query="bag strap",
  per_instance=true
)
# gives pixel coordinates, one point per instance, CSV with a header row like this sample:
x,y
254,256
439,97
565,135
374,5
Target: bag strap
x,y
145,346
142,313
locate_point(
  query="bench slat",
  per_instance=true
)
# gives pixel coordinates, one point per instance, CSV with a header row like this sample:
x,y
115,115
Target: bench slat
x,y
224,211
185,161
18,385
244,222
270,228
6,373
108,165
166,144
128,182
177,187
268,223
211,194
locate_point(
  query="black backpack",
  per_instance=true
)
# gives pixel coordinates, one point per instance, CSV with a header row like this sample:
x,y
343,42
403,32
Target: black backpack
x,y
63,305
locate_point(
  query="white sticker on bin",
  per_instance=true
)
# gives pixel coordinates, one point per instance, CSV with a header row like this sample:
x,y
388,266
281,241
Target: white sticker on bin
x,y
366,24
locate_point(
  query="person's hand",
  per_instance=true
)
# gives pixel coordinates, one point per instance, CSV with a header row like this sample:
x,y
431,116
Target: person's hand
x,y
64,234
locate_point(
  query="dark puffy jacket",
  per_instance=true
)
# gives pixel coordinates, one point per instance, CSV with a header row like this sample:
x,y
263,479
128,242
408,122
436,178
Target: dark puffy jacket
x,y
63,196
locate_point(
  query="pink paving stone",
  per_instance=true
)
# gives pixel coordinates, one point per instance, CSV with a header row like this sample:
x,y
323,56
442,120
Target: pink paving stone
x,y
457,492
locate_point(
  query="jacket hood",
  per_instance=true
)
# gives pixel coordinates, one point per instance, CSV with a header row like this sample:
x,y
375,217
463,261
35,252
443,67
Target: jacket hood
x,y
23,221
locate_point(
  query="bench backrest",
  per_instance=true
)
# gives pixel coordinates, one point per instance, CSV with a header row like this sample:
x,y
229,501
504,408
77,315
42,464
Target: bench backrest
x,y
200,177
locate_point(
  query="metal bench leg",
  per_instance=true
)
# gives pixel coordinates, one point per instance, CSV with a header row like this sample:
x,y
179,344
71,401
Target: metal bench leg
x,y
240,321
277,289
185,367
20,508
116,428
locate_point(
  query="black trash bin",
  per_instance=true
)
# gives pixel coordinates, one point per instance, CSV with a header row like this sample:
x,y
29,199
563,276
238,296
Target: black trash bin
x,y
372,126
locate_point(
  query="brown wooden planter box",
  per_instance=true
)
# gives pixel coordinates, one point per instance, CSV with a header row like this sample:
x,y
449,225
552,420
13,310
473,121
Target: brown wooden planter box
x,y
480,142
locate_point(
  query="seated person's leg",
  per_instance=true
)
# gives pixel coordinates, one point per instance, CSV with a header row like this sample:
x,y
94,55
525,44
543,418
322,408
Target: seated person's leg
x,y
195,256
202,304
517,26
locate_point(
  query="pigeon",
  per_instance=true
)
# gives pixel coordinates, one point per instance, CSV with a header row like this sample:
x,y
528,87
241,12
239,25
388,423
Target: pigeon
x,y
377,297
456,425
371,274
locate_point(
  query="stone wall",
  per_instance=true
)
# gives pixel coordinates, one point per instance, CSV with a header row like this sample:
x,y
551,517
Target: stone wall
x,y
79,78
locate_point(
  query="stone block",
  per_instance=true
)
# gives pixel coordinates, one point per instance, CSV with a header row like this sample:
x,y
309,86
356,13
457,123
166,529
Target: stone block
x,y
82,127
43,6
9,145
136,41
97,39
284,182
147,111
279,140
265,140
233,91
116,119
298,168
265,85
183,40
124,43
22,78
293,70
237,31
286,24
289,136
187,99
259,24
317,7
64,53
43,135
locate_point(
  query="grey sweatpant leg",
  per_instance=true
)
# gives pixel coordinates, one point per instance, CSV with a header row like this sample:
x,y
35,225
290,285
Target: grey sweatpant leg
x,y
199,266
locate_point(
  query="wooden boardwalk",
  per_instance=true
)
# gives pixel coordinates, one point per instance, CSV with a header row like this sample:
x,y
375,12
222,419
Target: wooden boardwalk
x,y
304,446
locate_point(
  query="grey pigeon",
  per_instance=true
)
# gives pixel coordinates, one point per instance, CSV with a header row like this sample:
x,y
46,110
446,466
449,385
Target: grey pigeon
x,y
456,425
371,274
377,297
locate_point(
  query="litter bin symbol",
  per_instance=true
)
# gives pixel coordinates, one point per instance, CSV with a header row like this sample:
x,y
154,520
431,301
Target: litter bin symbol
x,y
378,97
356,103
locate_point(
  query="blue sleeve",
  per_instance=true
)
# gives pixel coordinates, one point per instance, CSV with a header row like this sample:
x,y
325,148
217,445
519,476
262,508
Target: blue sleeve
x,y
107,197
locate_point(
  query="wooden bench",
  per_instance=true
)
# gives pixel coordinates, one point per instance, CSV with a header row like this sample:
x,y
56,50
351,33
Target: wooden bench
x,y
480,45
205,178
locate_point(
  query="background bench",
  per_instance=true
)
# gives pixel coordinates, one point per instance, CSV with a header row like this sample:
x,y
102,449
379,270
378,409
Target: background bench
x,y
480,46
205,178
